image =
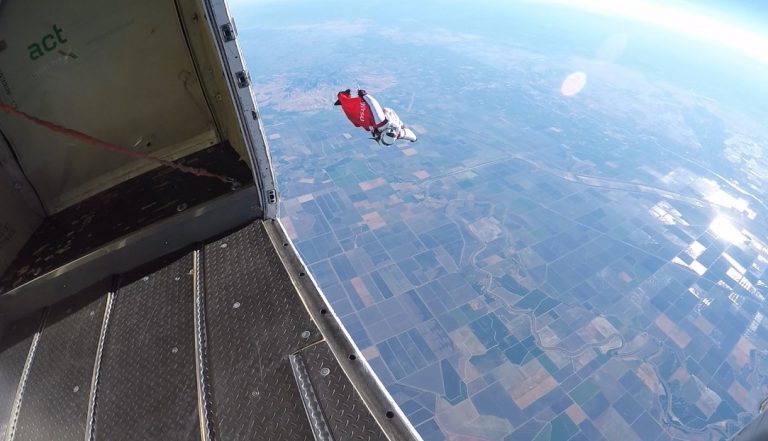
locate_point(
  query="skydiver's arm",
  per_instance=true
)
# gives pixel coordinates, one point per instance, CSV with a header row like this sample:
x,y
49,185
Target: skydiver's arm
x,y
376,110
338,95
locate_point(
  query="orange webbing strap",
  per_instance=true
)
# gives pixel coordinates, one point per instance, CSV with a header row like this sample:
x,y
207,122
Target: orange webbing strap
x,y
112,147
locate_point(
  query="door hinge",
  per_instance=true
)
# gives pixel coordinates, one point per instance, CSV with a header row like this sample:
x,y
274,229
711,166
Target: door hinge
x,y
243,79
228,31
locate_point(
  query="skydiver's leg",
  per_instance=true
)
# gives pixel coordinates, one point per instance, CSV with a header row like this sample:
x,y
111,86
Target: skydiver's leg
x,y
407,134
376,110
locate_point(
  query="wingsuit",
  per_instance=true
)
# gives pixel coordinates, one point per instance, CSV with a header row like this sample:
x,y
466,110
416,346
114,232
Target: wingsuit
x,y
365,111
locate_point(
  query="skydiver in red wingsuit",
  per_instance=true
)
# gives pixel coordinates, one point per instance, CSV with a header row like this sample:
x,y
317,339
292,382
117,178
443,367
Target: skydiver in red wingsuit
x,y
364,111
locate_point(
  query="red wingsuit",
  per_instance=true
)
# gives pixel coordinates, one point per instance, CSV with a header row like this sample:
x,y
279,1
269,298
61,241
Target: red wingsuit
x,y
365,112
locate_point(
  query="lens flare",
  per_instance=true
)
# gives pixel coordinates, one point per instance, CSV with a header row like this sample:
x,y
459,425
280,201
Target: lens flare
x,y
573,83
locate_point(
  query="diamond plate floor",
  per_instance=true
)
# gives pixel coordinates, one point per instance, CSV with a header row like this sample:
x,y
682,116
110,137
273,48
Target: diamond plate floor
x,y
254,321
147,388
345,413
55,403
147,385
14,347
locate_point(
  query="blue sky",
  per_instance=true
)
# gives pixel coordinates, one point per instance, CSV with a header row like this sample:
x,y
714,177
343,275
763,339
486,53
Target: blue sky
x,y
733,24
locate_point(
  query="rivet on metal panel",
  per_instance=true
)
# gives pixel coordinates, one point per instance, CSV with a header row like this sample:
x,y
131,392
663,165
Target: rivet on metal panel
x,y
352,357
174,350
177,278
305,335
145,278
76,388
236,305
325,371
389,414
181,207
224,245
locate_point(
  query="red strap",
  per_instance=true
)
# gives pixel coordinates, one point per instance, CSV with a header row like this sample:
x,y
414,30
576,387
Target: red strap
x,y
112,147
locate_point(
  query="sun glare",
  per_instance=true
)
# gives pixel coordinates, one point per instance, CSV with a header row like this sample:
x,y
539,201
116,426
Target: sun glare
x,y
700,26
723,228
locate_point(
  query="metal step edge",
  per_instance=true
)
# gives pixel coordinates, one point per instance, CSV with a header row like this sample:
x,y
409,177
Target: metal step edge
x,y
10,431
90,421
380,403
128,252
315,415
201,344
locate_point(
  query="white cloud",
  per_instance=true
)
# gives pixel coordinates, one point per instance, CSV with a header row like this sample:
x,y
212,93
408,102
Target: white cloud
x,y
330,28
335,28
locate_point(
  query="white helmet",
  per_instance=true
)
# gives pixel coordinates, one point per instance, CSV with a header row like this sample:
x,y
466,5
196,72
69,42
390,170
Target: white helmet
x,y
389,136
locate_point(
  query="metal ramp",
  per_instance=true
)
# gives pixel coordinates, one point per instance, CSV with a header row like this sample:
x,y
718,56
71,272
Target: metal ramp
x,y
212,343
